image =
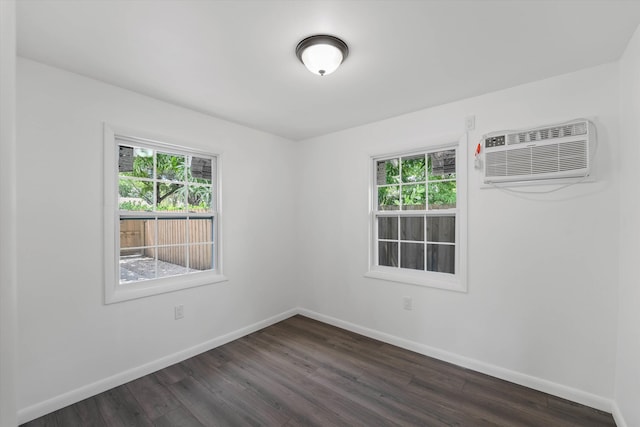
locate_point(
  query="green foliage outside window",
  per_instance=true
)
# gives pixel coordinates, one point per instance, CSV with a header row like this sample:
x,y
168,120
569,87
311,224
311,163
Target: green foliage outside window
x,y
414,185
171,194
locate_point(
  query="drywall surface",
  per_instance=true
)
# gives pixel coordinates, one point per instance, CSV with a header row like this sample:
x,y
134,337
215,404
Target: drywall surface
x,y
8,260
68,338
627,385
542,269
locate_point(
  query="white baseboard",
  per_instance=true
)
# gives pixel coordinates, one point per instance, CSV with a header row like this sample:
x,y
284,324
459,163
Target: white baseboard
x,y
535,383
617,415
73,396
39,409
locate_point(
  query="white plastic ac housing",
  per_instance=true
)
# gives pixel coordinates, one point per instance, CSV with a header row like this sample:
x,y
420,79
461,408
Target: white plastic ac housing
x,y
543,153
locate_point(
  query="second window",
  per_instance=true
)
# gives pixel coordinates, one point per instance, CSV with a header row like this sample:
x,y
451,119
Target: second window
x,y
415,211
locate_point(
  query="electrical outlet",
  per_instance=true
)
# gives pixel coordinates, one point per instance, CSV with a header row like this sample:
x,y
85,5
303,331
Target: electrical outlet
x,y
407,303
179,311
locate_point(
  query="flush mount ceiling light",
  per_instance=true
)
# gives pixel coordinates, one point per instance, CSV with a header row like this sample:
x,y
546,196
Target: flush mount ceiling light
x,y
322,54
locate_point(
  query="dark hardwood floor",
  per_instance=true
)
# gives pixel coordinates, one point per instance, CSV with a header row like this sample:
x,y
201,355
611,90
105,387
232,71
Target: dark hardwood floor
x,y
301,372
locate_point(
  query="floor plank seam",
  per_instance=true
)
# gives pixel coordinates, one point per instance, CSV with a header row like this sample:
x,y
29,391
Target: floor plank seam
x,y
304,372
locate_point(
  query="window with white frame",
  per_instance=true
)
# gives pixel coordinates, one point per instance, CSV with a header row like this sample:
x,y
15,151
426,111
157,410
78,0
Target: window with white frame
x,y
164,217
418,218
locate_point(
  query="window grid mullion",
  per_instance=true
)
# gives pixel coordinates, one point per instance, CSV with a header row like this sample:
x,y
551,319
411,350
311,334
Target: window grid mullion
x,y
186,201
156,186
156,181
399,235
424,255
401,201
431,212
155,241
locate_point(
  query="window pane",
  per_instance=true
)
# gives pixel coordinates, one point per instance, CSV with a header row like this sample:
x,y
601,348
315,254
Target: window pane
x,y
387,172
136,267
158,189
412,256
170,167
441,258
199,198
441,229
388,227
201,257
412,228
171,197
172,261
200,169
172,231
135,161
201,230
442,195
136,233
389,198
135,195
388,254
413,168
414,197
442,164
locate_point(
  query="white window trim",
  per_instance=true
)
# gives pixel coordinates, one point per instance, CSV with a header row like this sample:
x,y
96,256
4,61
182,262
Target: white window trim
x,y
453,282
113,291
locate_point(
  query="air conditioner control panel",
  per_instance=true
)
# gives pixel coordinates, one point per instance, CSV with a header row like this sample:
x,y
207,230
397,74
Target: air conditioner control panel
x,y
494,141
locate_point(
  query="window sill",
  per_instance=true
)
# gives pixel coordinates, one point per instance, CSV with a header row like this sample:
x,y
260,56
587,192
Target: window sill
x,y
126,292
419,278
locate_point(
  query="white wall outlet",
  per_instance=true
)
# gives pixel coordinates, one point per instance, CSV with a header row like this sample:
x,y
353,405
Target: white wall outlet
x,y
470,122
407,303
179,311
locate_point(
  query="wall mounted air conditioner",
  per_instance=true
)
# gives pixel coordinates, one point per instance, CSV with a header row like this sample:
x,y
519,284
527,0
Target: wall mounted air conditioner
x,y
543,153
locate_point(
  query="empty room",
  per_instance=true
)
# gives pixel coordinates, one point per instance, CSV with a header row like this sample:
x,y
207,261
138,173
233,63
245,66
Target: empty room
x,y
297,213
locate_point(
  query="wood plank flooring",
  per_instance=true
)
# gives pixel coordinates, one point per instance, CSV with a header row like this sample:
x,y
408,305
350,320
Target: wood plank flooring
x,y
301,372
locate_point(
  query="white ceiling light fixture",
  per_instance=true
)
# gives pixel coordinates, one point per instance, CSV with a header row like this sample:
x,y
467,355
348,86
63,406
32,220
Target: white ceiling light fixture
x,y
322,54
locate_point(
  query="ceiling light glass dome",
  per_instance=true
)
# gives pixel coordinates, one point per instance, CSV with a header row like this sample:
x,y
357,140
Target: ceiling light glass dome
x,y
322,54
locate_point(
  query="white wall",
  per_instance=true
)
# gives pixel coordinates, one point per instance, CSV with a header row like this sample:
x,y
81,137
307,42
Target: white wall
x,y
69,341
627,386
542,300
543,270
8,280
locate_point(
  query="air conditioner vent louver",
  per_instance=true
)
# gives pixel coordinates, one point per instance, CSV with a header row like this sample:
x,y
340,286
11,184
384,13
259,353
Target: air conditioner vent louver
x,y
544,153
543,134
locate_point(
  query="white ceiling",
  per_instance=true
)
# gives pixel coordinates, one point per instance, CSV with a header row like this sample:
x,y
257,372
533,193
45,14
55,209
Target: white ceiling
x,y
235,59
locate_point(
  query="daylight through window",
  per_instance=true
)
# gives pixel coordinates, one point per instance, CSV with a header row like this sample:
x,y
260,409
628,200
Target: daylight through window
x,y
162,217
167,212
416,211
